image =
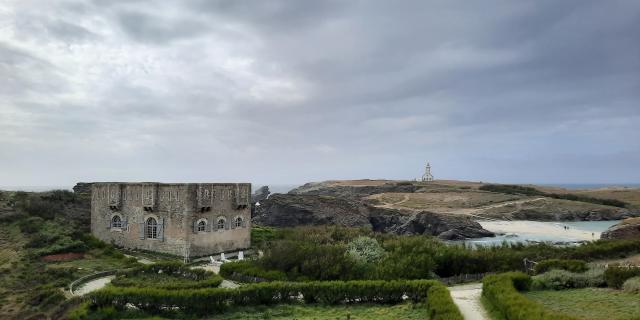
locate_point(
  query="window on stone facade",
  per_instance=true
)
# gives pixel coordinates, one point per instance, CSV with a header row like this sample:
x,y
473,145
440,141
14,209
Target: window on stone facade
x,y
238,222
202,225
152,228
221,223
116,222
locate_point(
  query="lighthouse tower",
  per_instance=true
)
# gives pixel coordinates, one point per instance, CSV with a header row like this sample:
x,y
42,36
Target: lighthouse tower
x,y
427,176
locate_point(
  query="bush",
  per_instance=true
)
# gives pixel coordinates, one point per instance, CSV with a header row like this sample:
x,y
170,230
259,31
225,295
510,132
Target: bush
x,y
440,305
251,269
501,291
215,300
562,279
569,265
616,275
632,285
365,249
167,275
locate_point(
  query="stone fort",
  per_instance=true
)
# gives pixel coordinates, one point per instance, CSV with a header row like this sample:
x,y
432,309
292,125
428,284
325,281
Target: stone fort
x,y
186,219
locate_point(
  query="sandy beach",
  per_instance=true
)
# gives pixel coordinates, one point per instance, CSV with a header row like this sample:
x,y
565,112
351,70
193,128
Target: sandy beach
x,y
547,229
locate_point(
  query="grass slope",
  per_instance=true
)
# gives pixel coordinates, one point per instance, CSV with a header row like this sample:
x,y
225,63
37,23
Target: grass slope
x,y
590,303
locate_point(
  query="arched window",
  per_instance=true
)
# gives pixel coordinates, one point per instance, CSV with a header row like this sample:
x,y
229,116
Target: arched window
x,y
221,224
116,222
238,222
152,228
202,225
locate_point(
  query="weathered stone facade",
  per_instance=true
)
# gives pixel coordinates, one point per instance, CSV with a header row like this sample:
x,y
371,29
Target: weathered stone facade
x,y
196,219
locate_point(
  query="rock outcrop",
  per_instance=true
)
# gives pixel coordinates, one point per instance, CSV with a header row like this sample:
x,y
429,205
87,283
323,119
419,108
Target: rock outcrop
x,y
627,229
260,194
289,210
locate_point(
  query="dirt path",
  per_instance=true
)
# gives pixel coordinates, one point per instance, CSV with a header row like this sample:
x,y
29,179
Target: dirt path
x,y
93,285
467,298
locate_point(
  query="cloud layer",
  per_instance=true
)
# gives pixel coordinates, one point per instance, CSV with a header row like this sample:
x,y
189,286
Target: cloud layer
x,y
295,91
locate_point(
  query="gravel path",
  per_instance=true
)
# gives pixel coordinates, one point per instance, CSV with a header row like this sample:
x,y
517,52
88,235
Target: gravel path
x,y
467,298
93,285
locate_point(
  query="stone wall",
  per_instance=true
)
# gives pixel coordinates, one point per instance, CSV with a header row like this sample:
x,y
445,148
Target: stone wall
x,y
176,208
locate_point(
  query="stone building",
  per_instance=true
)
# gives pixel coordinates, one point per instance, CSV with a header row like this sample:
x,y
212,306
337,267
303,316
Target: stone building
x,y
186,219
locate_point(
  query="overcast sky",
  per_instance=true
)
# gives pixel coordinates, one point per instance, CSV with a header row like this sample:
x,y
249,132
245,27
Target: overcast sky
x,y
295,91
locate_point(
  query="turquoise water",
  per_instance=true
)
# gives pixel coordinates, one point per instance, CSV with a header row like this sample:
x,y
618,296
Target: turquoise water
x,y
528,238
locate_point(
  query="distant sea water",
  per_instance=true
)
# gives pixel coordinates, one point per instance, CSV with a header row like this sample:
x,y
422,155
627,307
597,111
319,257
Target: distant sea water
x,y
575,186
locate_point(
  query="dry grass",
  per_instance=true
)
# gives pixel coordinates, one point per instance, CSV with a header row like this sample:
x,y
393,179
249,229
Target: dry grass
x,y
443,201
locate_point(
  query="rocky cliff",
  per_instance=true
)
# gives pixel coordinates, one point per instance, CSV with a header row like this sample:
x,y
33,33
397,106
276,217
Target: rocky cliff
x,y
447,209
627,229
289,210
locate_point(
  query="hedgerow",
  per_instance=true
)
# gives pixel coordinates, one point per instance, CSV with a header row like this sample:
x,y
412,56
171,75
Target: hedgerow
x,y
216,300
167,275
501,291
440,305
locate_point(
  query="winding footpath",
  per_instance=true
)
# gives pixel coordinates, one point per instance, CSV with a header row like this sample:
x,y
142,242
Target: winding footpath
x,y
467,298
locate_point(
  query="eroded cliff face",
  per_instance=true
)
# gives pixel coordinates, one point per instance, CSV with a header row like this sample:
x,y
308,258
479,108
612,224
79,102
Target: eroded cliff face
x,y
447,209
626,229
289,210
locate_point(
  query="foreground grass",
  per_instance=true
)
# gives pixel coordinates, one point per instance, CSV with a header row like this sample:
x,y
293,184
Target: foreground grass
x,y
309,312
590,303
406,311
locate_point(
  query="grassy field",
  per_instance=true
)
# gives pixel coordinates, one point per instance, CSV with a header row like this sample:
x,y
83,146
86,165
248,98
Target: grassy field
x,y
311,312
591,303
302,312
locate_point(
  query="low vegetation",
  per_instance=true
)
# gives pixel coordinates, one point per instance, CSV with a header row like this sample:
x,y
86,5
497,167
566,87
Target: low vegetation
x,y
35,227
562,279
589,303
332,253
299,311
166,275
218,300
530,191
502,293
632,285
616,275
561,264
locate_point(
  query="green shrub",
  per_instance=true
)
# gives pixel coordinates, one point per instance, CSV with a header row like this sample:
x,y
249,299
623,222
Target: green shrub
x,y
501,291
251,269
365,249
167,275
215,300
562,279
616,275
569,265
632,285
440,305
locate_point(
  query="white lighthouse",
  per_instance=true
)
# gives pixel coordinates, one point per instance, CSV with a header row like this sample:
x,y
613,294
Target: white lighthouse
x,y
427,176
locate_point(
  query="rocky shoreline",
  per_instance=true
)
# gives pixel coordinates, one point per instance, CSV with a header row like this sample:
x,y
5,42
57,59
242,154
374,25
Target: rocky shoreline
x,y
448,210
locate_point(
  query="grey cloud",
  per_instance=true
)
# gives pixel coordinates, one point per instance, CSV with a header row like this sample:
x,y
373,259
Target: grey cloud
x,y
149,28
291,91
